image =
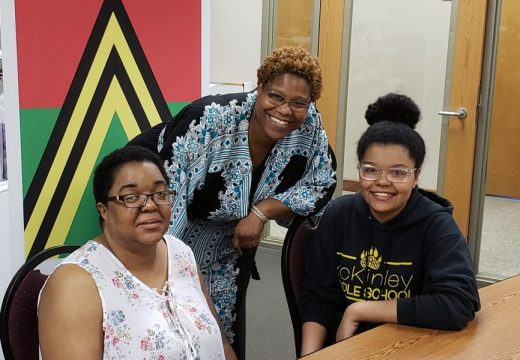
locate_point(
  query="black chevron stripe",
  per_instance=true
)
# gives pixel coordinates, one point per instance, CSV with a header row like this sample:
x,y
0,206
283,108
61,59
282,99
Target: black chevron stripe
x,y
113,67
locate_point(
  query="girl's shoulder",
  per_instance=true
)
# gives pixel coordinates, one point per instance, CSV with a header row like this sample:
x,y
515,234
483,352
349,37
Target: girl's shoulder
x,y
352,201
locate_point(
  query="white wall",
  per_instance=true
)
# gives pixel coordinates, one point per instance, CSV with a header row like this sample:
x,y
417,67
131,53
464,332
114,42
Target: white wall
x,y
11,213
398,46
235,41
5,248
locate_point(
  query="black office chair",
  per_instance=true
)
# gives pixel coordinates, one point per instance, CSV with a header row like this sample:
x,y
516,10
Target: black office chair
x,y
293,266
18,314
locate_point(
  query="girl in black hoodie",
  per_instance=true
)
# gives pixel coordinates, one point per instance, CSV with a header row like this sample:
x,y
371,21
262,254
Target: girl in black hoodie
x,y
391,252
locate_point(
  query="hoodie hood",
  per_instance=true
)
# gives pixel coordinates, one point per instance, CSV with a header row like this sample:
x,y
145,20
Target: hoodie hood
x,y
420,205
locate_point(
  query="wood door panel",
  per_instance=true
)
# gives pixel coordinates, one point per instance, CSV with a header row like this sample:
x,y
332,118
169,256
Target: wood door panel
x,y
294,26
294,23
467,68
329,52
503,167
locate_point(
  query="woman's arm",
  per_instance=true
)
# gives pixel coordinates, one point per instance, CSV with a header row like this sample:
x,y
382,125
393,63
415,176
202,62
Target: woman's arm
x,y
228,349
248,230
449,297
369,311
70,316
315,188
148,138
321,298
313,337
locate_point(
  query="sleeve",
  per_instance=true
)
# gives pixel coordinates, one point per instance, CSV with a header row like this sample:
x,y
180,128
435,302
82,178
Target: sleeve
x,y
321,296
149,138
161,137
315,189
184,137
183,145
449,296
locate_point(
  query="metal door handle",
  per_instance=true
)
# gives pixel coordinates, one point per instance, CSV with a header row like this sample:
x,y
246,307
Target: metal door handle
x,y
461,113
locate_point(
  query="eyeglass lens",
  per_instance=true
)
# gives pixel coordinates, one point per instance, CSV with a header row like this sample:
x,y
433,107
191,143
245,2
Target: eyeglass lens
x,y
140,200
369,172
279,100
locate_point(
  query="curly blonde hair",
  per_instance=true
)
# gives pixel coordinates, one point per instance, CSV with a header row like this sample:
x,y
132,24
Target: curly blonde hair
x,y
292,60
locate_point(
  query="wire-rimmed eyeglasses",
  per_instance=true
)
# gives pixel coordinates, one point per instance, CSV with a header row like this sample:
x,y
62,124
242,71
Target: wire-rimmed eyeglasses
x,y
140,200
395,174
278,100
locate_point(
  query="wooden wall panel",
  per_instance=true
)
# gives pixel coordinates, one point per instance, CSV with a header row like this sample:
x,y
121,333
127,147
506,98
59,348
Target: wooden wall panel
x,y
329,52
503,170
467,68
294,23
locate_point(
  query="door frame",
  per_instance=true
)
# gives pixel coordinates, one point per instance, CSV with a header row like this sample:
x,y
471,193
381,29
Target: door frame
x,y
328,30
468,194
460,165
456,174
483,135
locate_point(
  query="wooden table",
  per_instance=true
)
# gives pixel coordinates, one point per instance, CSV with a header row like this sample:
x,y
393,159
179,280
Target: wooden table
x,y
493,334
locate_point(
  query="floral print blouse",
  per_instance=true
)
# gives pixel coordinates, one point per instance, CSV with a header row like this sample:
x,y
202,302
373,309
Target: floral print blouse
x,y
144,323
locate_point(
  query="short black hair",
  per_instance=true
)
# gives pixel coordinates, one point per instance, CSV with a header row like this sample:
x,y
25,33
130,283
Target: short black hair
x,y
392,119
104,172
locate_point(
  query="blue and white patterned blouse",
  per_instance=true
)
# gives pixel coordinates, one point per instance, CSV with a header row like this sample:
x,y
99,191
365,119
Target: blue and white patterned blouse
x,y
206,153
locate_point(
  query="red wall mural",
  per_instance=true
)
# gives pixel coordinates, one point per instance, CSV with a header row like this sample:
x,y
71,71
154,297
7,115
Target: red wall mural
x,y
93,74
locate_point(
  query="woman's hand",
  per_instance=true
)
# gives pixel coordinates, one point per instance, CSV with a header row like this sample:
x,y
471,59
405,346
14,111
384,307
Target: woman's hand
x,y
348,325
248,232
384,311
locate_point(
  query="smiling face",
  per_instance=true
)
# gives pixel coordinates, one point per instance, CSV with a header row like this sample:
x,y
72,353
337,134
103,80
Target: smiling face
x,y
272,122
386,199
134,227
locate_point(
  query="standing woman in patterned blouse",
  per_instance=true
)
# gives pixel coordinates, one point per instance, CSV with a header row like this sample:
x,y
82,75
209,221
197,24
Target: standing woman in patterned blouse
x,y
238,160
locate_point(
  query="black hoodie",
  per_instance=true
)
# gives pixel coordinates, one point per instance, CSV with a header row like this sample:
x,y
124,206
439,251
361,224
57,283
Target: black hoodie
x,y
419,257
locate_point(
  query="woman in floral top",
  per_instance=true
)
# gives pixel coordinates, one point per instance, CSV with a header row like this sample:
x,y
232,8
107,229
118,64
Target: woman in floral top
x,y
133,292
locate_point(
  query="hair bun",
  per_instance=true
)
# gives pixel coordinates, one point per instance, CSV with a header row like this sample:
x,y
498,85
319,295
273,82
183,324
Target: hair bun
x,y
394,108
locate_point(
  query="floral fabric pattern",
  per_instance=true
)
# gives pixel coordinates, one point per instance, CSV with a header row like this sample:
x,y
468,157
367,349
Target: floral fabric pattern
x,y
143,323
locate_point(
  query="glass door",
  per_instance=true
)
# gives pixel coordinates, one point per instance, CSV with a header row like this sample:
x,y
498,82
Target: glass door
x,y
398,46
497,218
291,23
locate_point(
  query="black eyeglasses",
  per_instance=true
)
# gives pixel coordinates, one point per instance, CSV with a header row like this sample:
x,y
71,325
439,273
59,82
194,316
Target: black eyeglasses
x,y
278,100
140,200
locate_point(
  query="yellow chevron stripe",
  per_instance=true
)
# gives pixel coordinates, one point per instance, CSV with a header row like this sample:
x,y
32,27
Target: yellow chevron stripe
x,y
132,69
113,36
113,103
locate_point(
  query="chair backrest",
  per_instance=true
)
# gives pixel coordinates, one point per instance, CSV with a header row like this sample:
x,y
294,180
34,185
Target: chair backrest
x,y
18,315
293,266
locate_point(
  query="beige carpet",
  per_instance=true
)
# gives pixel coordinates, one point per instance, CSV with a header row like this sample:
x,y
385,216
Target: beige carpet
x,y
269,331
500,242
